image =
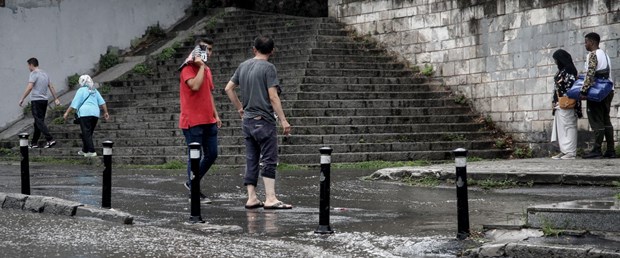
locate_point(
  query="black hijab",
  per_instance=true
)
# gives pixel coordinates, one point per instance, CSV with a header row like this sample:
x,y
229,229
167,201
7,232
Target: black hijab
x,y
564,61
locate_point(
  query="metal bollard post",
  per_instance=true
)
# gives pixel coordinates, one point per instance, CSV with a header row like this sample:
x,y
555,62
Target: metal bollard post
x,y
326,160
194,156
460,160
25,166
106,191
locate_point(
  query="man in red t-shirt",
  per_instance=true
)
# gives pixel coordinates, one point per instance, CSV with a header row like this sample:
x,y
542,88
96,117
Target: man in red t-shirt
x,y
199,119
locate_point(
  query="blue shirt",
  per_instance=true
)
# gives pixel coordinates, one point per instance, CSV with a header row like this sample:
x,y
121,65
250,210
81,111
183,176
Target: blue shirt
x,y
91,105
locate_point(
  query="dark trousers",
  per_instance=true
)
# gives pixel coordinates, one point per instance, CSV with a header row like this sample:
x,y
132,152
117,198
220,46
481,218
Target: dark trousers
x,y
598,117
87,126
39,108
261,144
206,135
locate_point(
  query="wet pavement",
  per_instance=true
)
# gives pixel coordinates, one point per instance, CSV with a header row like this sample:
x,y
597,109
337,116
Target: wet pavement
x,y
371,218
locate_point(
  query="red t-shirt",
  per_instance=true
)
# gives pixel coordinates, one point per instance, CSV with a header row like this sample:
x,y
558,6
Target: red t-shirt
x,y
196,106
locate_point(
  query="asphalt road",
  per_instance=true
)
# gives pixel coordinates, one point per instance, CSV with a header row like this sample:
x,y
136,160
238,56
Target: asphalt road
x,y
371,218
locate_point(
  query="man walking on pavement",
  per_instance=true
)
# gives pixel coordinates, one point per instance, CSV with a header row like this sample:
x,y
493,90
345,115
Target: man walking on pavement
x,y
598,66
199,119
38,85
259,84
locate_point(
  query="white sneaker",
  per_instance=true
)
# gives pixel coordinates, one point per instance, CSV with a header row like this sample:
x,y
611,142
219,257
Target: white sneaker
x,y
568,156
90,154
81,153
559,156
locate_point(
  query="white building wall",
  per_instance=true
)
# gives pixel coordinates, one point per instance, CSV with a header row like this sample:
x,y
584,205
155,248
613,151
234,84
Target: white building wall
x,y
67,37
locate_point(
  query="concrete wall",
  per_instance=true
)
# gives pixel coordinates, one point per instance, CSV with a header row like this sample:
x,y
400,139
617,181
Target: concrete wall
x,y
495,52
67,36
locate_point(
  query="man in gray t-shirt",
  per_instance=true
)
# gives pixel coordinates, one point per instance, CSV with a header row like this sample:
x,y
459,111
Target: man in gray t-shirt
x,y
38,87
259,85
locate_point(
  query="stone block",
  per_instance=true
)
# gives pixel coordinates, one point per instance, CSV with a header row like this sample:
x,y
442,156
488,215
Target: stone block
x,y
577,215
60,207
14,201
104,214
34,203
521,249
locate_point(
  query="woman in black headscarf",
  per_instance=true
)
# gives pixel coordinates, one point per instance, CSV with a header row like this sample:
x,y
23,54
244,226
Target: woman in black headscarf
x,y
565,117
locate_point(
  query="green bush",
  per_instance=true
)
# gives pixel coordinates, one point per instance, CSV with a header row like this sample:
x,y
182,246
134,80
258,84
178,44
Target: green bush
x,y
428,70
142,69
108,61
27,109
73,80
155,31
105,88
166,54
522,153
58,121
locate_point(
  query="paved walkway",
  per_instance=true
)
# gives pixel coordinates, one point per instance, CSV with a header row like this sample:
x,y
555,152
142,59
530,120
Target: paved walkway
x,y
538,171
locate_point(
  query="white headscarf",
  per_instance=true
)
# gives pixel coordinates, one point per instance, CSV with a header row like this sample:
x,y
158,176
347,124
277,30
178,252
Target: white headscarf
x,y
85,80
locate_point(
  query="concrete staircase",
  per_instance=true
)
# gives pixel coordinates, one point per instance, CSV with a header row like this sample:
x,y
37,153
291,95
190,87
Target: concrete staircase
x,y
337,91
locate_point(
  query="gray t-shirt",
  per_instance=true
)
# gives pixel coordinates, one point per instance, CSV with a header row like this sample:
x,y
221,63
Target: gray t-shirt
x,y
255,77
40,81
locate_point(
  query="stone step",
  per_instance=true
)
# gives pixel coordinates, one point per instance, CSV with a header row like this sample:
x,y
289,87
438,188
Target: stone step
x,y
349,58
167,129
361,80
70,138
339,91
143,157
180,149
289,96
351,65
357,73
121,117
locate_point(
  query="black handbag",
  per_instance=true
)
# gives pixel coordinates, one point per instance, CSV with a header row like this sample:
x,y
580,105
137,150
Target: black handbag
x,y
76,118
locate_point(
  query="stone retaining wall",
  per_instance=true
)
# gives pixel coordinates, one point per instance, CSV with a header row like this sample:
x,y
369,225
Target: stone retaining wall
x,y
497,53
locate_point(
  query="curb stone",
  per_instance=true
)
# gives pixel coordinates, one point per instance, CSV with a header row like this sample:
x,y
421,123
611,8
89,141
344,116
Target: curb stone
x,y
56,206
536,178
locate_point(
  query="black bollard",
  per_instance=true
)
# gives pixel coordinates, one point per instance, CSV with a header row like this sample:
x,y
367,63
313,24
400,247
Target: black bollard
x,y
460,160
106,191
25,166
326,161
194,156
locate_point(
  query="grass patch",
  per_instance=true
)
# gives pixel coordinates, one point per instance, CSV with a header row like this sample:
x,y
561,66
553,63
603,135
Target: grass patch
x,y
377,164
428,70
425,181
4,152
284,166
174,164
618,196
53,160
474,159
489,183
548,229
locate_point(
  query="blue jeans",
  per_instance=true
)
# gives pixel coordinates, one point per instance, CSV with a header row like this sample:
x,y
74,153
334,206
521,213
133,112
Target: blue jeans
x,y
206,135
260,139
